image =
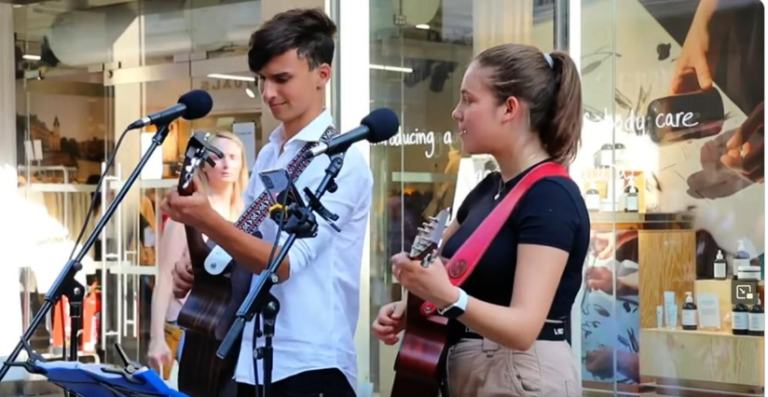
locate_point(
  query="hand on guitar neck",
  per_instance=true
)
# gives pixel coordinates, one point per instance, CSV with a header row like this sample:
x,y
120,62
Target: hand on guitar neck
x,y
391,319
430,283
422,271
190,207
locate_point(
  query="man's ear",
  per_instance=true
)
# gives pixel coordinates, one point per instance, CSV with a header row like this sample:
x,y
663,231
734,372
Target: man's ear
x,y
324,72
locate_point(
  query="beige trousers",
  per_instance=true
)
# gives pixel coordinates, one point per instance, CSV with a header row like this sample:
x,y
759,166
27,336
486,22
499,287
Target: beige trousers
x,y
481,368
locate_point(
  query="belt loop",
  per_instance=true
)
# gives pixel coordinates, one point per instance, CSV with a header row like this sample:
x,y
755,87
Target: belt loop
x,y
490,347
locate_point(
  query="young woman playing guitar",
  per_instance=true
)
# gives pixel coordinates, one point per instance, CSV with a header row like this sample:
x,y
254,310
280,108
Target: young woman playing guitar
x,y
511,314
225,184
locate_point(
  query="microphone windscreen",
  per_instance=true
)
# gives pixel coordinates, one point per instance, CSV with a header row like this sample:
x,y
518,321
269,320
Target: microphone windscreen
x,y
198,102
383,124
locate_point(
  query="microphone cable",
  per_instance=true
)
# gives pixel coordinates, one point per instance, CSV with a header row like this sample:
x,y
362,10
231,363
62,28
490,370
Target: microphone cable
x,y
110,162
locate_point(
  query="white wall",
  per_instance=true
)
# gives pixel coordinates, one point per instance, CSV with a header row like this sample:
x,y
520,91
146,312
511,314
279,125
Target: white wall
x,y
355,95
9,272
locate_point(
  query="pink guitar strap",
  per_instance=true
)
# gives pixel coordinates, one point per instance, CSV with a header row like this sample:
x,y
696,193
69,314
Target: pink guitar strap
x,y
468,256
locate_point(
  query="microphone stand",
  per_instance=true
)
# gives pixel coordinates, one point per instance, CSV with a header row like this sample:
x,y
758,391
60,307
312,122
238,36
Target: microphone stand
x,y
301,223
66,284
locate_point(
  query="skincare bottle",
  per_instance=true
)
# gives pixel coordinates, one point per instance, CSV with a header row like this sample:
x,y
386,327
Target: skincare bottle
x,y
659,316
592,198
740,259
689,312
757,319
670,309
740,319
720,266
633,201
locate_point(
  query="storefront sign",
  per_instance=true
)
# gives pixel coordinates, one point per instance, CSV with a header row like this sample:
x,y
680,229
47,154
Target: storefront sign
x,y
419,138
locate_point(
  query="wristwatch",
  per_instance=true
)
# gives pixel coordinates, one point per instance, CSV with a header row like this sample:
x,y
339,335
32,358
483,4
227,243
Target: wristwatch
x,y
457,308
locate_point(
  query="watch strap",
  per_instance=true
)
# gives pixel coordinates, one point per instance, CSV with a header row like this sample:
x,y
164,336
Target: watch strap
x,y
457,308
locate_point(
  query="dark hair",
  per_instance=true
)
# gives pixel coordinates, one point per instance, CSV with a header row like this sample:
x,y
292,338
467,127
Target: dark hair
x,y
552,91
309,31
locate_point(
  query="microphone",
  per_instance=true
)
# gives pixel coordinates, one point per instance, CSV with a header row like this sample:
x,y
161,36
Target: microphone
x,y
192,105
378,126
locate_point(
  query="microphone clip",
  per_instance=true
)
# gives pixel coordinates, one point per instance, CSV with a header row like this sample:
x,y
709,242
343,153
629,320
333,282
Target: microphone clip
x,y
296,219
317,206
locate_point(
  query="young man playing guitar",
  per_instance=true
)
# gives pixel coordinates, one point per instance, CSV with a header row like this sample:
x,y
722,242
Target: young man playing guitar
x,y
318,289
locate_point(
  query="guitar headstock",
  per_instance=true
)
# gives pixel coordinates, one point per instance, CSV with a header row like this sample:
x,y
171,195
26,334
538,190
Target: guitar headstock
x,y
429,236
198,152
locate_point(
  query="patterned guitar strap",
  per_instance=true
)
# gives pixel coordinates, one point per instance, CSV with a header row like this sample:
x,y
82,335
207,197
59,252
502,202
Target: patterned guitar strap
x,y
252,217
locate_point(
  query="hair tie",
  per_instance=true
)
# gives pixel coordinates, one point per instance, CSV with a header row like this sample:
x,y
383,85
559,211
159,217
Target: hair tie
x,y
548,58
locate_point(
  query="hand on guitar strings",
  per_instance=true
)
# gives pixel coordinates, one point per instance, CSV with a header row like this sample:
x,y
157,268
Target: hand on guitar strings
x,y
430,283
183,277
389,323
193,210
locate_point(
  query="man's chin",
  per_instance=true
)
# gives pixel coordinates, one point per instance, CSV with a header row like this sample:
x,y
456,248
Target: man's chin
x,y
280,115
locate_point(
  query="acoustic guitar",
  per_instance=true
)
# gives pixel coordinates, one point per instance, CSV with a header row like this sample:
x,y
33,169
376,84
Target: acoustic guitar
x,y
213,301
422,350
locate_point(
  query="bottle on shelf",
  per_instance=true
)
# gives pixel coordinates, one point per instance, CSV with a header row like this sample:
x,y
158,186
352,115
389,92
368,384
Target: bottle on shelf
x,y
757,319
720,266
740,260
689,313
592,198
740,319
633,201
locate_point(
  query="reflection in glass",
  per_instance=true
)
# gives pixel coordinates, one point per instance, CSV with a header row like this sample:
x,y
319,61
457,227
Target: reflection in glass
x,y
83,74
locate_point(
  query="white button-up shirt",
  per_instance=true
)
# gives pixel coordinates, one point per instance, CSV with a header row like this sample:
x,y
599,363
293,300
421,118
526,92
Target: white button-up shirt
x,y
319,303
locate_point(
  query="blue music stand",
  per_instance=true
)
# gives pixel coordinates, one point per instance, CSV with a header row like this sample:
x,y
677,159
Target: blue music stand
x,y
100,380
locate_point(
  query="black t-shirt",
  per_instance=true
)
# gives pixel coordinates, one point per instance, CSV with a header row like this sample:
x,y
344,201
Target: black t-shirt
x,y
551,213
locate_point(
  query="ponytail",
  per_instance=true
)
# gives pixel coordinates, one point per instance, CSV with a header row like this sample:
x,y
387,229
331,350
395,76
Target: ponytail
x,y
561,134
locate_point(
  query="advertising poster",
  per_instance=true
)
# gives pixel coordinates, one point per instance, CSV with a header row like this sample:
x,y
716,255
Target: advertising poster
x,y
673,104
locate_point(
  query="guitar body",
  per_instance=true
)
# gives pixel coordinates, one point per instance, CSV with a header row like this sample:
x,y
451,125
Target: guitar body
x,y
419,362
206,317
422,353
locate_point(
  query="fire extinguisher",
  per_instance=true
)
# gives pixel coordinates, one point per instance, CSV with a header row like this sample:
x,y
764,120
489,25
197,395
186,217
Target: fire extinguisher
x,y
91,319
61,326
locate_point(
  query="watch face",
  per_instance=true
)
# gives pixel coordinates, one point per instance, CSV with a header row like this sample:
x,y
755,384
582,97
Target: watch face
x,y
453,312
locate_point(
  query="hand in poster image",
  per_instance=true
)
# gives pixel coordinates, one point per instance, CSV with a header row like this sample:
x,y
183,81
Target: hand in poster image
x,y
600,363
695,65
603,245
732,161
600,278
745,148
734,153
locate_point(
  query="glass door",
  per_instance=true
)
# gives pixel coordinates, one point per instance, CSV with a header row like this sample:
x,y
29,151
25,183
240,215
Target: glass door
x,y
86,74
61,143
